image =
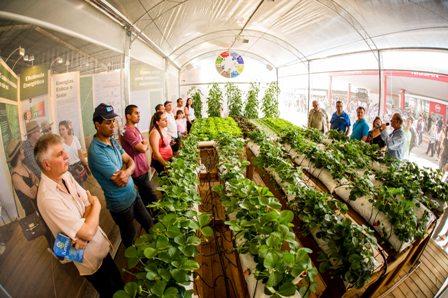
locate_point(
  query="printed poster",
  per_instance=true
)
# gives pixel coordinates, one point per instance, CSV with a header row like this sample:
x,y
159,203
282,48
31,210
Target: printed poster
x,y
65,93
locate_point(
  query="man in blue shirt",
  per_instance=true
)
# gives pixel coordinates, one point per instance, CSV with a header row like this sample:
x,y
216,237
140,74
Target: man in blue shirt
x,y
394,141
360,128
112,168
340,120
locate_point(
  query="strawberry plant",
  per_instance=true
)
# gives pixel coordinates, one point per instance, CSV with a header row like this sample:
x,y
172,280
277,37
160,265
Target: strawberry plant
x,y
164,259
261,228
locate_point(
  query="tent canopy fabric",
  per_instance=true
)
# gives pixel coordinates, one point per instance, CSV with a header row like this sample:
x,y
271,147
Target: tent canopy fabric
x,y
285,32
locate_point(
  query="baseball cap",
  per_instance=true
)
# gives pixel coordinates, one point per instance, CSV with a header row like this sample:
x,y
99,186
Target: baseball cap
x,y
104,111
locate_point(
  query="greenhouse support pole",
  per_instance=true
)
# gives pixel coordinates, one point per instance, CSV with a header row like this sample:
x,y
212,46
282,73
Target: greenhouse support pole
x,y
309,90
165,80
178,85
276,74
379,83
126,73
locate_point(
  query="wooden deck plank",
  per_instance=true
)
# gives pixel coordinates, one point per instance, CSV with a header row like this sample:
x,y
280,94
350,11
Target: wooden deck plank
x,y
413,286
433,270
437,254
425,285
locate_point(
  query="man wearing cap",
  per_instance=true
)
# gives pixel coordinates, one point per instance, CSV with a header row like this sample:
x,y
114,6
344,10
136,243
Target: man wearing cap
x,y
112,168
33,134
69,209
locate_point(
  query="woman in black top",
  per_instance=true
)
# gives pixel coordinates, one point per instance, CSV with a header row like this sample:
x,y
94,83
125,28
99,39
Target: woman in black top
x,y
24,181
374,136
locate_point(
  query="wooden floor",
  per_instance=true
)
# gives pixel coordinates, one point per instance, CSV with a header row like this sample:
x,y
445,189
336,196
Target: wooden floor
x,y
425,280
28,269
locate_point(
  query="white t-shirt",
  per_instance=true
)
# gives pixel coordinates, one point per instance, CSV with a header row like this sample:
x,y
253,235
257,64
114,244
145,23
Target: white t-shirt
x,y
191,115
72,151
176,108
171,129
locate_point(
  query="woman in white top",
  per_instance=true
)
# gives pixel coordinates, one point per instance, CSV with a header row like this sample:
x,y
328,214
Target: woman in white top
x,y
189,113
78,166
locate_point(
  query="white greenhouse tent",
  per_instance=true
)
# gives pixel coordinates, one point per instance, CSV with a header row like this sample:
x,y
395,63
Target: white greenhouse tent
x,y
60,59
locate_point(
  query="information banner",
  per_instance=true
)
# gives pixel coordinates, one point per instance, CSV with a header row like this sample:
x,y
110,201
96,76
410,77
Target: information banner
x,y
107,89
65,95
9,125
8,82
145,77
33,82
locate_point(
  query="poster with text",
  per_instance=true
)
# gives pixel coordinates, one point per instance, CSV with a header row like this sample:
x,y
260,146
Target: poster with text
x,y
33,82
107,89
8,82
9,126
146,91
65,95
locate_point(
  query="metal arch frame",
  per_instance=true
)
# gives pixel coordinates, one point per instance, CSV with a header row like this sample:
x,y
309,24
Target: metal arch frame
x,y
300,56
353,22
224,49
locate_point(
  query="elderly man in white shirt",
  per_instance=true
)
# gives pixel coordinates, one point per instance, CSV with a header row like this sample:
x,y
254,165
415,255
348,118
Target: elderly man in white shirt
x,y
69,209
171,129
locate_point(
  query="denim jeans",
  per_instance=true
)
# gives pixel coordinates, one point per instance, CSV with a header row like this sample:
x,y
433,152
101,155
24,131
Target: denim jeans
x,y
125,220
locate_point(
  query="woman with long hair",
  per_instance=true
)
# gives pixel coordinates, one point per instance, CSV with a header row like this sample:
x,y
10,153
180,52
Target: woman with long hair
x,y
374,135
189,113
160,141
25,182
78,166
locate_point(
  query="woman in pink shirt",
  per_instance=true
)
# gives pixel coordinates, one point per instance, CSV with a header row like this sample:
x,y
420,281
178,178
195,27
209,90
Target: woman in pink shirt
x,y
181,123
160,143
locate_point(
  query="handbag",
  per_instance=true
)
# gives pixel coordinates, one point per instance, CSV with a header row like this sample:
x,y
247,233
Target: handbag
x,y
32,226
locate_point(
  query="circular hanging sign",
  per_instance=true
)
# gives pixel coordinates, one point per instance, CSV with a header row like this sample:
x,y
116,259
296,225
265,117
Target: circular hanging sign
x,y
229,64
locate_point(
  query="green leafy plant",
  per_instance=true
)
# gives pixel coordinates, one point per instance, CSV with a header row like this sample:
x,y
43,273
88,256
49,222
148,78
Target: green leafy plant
x,y
163,261
196,96
210,128
214,101
348,243
262,229
270,100
251,108
234,99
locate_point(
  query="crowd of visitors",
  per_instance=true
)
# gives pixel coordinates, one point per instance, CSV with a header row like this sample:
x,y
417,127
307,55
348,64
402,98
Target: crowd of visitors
x,y
49,172
399,141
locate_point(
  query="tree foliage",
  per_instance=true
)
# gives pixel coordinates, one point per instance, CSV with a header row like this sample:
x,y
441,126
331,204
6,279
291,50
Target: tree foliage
x,y
251,109
234,100
196,96
214,101
270,101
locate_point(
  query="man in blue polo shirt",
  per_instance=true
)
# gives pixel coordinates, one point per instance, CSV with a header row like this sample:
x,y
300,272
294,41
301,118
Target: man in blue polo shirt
x,y
360,128
112,168
340,120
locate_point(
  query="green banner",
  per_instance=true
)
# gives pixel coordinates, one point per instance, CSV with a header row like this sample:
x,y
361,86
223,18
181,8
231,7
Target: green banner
x,y
8,83
9,123
33,81
144,77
